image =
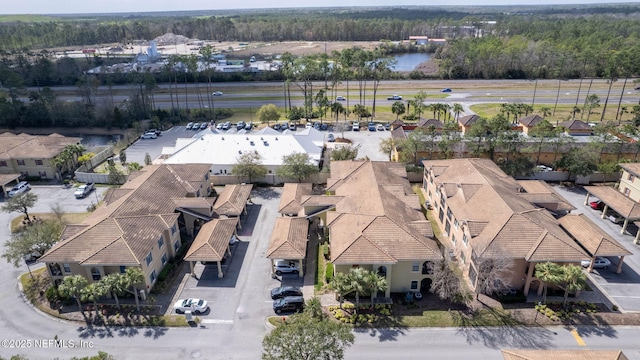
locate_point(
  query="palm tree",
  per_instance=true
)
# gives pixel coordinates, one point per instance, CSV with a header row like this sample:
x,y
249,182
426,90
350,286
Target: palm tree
x,y
114,284
340,284
546,111
573,279
398,108
547,273
457,109
357,280
576,110
93,292
72,286
375,283
134,276
337,109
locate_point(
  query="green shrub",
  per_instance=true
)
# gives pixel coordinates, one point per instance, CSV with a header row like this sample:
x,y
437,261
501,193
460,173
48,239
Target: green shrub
x,y
165,272
52,294
329,273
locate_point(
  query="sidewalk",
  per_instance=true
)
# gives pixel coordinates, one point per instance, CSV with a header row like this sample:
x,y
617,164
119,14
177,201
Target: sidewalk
x,y
308,289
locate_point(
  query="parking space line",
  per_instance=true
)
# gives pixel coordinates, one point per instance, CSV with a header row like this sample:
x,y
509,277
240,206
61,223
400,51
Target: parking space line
x,y
578,338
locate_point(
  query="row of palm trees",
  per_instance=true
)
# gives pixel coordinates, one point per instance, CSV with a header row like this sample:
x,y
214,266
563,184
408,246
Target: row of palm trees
x,y
358,281
114,284
68,158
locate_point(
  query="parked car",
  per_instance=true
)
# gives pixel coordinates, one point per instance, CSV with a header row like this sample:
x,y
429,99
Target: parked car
x,y
445,90
197,306
543,168
83,190
356,126
616,218
600,263
324,126
158,132
387,126
285,267
371,126
240,125
20,188
394,97
226,125
596,205
204,126
31,258
217,93
292,127
340,98
288,304
189,126
331,138
248,126
219,126
149,135
283,291
276,127
380,127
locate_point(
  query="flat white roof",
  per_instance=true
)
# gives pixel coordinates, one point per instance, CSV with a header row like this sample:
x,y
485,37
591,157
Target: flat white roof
x,y
224,149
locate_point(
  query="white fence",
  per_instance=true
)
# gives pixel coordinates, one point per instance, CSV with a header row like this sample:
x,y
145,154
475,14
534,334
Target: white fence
x,y
83,174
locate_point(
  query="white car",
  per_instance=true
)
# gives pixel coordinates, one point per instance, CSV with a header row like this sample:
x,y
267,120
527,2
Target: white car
x,y
380,127
20,188
219,126
149,135
217,93
196,306
203,126
600,263
83,190
189,126
340,98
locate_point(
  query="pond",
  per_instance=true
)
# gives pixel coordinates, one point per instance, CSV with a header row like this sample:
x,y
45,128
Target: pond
x,y
91,141
408,62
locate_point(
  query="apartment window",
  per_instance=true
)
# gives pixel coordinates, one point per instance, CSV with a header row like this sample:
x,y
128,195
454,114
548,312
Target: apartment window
x,y
95,274
24,174
430,195
449,213
442,199
473,275
455,223
42,174
152,277
198,193
414,284
441,215
173,229
67,268
20,162
123,269
627,191
206,177
447,228
453,239
39,162
176,246
149,258
164,258
415,267
3,163
465,239
463,257
160,242
630,177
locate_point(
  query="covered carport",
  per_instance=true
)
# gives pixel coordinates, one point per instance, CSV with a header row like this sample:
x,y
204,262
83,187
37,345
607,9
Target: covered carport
x,y
595,241
289,241
7,179
232,201
615,200
212,243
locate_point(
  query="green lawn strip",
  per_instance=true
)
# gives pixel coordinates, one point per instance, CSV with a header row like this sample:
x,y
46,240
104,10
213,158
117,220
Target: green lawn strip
x,y
454,318
562,113
69,218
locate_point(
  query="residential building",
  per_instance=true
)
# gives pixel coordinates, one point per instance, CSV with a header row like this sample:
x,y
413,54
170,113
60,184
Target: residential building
x,y
630,181
32,155
466,122
529,122
576,128
484,214
223,149
140,224
373,220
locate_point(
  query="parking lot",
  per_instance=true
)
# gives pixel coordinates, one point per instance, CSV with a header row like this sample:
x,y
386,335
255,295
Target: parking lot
x,y
624,288
243,293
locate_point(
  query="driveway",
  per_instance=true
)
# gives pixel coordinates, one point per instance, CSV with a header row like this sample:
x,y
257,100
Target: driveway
x,y
622,289
243,293
369,142
137,151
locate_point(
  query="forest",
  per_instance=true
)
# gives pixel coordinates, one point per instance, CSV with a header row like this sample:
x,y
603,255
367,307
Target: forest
x,y
546,42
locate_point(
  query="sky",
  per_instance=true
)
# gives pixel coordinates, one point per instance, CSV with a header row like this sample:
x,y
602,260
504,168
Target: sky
x,y
110,6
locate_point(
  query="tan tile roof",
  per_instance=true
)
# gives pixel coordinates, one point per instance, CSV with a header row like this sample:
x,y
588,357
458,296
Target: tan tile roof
x,y
289,238
531,120
536,186
290,198
194,202
25,146
543,195
591,236
563,355
320,200
633,168
124,229
377,219
398,133
616,201
233,199
508,225
212,241
430,122
7,178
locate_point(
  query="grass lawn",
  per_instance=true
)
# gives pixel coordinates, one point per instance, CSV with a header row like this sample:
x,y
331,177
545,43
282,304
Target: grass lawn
x,y
563,112
444,318
69,218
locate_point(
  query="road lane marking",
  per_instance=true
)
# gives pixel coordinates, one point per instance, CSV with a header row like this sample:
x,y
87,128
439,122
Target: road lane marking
x,y
576,336
216,321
